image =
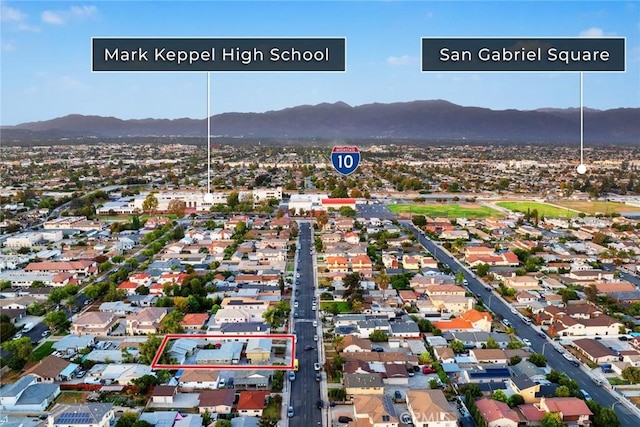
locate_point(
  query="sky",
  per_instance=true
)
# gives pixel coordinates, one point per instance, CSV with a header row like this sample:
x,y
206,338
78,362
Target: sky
x,y
45,56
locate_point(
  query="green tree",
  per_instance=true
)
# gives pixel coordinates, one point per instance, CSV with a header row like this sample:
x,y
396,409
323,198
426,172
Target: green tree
x,y
563,391
56,320
552,419
223,423
144,383
347,211
459,279
457,346
538,359
171,323
631,374
22,352
383,280
500,396
482,270
150,203
515,400
149,349
606,418
492,343
514,360
425,358
127,419
233,199
7,329
378,336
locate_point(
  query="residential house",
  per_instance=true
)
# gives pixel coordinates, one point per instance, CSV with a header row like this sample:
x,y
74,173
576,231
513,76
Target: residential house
x,y
199,379
524,386
94,323
258,350
372,410
27,395
489,355
81,415
229,353
356,384
594,350
497,414
573,411
246,379
217,401
353,344
430,408
146,321
164,393
252,403
194,321
52,369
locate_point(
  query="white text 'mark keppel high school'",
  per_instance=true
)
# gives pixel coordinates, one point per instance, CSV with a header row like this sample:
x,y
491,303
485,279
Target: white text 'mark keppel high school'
x,y
244,56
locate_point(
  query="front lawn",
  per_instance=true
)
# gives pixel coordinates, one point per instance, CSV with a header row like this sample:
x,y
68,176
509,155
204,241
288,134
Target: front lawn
x,y
43,351
333,306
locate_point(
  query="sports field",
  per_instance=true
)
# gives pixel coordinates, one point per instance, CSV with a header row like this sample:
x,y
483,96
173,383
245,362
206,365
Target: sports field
x,y
446,210
548,211
595,207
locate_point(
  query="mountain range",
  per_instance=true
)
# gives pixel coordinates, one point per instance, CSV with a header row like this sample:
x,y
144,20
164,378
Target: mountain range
x,y
434,120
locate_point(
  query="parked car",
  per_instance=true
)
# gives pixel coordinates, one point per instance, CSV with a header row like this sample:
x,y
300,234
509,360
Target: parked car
x,y
290,412
344,419
317,366
428,370
292,376
318,377
81,374
397,397
320,404
526,342
308,347
377,349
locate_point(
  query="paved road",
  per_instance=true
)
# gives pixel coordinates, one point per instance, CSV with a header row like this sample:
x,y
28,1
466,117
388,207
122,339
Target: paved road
x,y
305,390
539,344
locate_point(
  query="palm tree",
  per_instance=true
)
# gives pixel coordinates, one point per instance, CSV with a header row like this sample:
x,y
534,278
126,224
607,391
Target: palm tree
x,y
336,342
383,280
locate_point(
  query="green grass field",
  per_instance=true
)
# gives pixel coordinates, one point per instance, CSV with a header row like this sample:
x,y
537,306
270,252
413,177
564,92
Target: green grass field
x,y
446,210
594,207
545,210
343,306
43,351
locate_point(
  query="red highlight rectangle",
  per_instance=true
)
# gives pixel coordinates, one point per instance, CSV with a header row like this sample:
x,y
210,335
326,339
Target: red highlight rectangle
x,y
165,340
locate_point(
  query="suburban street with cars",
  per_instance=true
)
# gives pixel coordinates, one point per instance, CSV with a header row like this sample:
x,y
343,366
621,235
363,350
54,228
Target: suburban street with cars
x,y
539,340
305,390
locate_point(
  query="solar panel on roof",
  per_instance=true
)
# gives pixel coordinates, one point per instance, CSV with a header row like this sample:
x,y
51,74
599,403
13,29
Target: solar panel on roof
x,y
75,418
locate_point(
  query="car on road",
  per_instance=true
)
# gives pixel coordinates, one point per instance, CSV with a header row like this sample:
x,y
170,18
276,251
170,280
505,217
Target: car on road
x,y
295,314
514,311
526,342
317,366
318,377
320,404
45,333
506,323
344,419
292,376
17,336
542,335
585,394
308,347
290,412
315,323
315,338
295,304
597,381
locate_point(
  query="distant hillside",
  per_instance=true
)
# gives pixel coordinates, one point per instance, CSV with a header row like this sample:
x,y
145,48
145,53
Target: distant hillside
x,y
426,120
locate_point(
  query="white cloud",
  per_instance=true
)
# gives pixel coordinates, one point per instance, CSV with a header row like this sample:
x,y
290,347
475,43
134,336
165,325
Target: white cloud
x,y
15,19
9,14
83,11
54,18
401,60
594,32
7,46
61,17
